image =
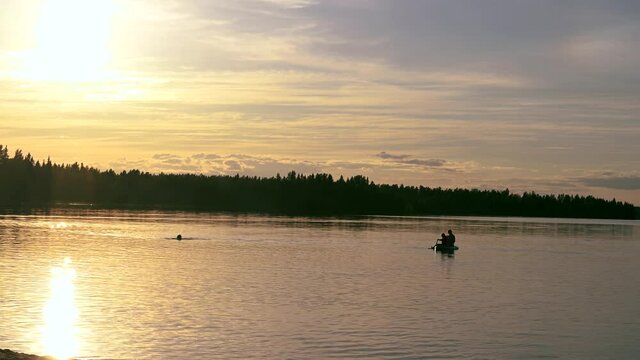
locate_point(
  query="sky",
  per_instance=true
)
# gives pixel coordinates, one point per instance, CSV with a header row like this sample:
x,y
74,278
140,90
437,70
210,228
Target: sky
x,y
537,96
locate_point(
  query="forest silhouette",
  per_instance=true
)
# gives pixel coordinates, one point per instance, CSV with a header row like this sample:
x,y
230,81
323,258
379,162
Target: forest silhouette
x,y
27,184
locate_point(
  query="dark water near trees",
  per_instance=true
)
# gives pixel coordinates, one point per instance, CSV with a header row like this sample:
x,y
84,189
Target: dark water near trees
x,y
281,287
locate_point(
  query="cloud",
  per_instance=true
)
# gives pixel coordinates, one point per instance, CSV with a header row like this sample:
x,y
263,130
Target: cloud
x,y
205,156
405,159
291,4
266,166
427,163
217,164
630,182
385,155
164,157
232,165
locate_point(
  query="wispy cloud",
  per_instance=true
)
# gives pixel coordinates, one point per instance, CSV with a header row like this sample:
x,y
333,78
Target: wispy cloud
x,y
628,182
217,164
291,3
406,159
385,155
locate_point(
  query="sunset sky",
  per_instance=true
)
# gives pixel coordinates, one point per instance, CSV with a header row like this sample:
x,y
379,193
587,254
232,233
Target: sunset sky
x,y
530,95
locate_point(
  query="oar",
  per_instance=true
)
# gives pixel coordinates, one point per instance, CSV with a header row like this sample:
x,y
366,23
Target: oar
x,y
434,246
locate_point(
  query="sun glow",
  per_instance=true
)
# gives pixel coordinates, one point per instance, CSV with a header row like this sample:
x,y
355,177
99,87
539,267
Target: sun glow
x,y
72,41
60,312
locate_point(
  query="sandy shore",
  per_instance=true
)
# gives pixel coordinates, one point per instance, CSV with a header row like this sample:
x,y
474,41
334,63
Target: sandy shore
x,y
6,354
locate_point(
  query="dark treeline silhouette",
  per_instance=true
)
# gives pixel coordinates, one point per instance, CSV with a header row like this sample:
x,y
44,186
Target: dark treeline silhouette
x,y
26,183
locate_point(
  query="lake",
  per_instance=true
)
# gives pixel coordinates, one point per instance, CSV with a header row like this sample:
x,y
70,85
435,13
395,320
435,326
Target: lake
x,y
116,285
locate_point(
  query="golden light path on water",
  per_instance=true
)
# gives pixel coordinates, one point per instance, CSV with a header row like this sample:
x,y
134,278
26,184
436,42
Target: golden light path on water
x,y
59,338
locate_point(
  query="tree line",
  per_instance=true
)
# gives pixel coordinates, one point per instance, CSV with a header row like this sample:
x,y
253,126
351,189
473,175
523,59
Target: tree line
x,y
26,183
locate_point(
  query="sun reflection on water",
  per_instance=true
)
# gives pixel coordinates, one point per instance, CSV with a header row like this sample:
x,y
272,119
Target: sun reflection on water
x,y
60,313
60,225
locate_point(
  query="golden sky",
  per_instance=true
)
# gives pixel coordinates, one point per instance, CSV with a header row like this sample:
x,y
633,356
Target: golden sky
x,y
540,95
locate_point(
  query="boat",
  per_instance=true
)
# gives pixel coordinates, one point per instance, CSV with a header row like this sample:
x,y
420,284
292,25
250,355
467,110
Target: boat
x,y
441,247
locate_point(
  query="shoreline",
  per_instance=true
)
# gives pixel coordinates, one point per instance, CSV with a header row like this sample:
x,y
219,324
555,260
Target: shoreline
x,y
46,210
6,354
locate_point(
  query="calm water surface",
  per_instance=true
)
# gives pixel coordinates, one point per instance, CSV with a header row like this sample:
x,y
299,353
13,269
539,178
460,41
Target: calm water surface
x,y
114,285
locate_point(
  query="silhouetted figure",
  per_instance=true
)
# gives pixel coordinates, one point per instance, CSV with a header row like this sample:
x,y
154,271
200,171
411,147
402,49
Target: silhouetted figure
x,y
443,239
451,239
179,237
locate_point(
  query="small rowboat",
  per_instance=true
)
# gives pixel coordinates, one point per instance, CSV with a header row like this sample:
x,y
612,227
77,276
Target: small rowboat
x,y
441,247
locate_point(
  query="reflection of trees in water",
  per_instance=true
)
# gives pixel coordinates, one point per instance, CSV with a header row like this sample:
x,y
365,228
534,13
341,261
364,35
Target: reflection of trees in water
x,y
25,182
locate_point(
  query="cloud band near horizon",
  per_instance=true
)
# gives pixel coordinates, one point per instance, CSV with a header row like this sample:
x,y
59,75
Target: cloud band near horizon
x,y
531,95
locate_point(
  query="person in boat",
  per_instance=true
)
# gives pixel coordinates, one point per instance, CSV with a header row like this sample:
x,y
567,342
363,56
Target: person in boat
x,y
443,239
179,237
451,239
